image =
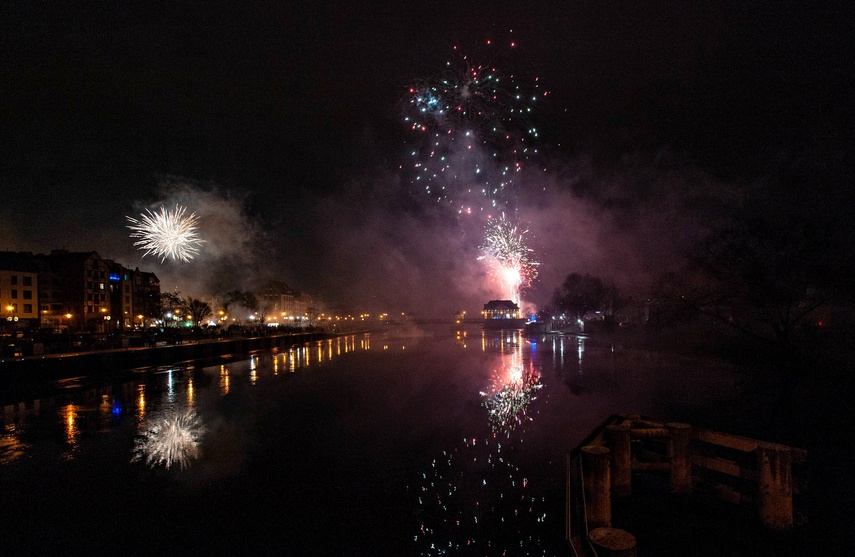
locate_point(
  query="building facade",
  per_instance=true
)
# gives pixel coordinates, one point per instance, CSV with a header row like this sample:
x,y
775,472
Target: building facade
x,y
77,290
502,314
145,291
19,291
278,303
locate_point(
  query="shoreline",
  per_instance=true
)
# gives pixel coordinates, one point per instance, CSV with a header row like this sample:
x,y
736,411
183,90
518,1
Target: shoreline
x,y
59,366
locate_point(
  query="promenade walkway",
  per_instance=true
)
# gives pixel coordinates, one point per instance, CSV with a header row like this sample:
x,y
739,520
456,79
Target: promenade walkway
x,y
52,366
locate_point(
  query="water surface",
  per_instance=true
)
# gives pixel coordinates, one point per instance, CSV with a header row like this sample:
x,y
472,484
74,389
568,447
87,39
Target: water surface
x,y
433,442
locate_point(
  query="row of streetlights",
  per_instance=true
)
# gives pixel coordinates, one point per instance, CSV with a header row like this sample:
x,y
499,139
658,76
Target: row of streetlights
x,y
13,318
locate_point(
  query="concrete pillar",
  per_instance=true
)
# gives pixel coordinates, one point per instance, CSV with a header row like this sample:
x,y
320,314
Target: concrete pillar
x,y
679,435
621,459
612,542
775,482
596,482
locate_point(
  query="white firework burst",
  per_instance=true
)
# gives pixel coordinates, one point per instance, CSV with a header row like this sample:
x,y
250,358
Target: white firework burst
x,y
167,233
171,440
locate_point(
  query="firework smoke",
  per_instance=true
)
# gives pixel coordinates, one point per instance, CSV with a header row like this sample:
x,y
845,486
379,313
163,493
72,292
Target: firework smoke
x,y
167,233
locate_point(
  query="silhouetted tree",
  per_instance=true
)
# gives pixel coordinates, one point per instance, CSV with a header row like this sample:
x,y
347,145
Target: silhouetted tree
x,y
312,314
170,302
613,302
764,281
265,310
244,299
580,294
197,310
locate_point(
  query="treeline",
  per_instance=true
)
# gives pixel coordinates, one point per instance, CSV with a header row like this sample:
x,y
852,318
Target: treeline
x,y
777,274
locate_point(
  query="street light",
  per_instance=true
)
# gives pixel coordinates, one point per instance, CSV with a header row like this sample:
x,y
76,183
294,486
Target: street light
x,y
13,318
67,320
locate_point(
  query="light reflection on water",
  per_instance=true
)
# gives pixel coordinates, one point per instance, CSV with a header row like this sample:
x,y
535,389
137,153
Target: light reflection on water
x,y
382,438
475,497
515,382
162,402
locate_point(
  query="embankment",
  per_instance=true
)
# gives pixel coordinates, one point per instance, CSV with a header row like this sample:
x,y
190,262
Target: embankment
x,y
54,366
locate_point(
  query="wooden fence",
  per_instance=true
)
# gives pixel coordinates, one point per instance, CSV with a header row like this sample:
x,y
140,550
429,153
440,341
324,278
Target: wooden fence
x,y
743,471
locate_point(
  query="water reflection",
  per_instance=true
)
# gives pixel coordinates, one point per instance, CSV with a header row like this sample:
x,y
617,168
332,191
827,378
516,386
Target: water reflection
x,y
161,404
72,430
11,445
140,402
475,500
514,384
15,418
171,439
225,380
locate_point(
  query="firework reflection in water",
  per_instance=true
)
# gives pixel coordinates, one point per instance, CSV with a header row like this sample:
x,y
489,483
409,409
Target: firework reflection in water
x,y
167,233
474,500
172,439
510,395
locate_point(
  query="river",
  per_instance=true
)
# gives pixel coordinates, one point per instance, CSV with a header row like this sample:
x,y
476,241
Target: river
x,y
425,441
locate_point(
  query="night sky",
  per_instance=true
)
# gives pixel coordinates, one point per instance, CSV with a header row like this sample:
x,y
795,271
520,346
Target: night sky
x,y
280,125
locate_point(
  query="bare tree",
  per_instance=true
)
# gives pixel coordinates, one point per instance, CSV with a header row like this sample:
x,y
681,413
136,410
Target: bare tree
x,y
170,303
197,310
580,294
244,299
766,282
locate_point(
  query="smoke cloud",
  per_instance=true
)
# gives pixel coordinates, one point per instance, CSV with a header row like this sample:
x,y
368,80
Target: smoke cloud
x,y
378,246
230,256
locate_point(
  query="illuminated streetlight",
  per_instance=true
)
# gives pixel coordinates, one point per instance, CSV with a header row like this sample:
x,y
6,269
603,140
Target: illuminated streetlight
x,y
13,318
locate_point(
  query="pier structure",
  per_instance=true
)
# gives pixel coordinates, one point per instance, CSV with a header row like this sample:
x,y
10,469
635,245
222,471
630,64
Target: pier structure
x,y
637,481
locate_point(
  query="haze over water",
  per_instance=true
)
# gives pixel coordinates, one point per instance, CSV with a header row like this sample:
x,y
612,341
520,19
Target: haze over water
x,y
369,444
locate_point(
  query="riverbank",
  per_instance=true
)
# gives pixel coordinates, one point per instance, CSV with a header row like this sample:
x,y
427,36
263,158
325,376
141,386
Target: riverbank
x,y
57,366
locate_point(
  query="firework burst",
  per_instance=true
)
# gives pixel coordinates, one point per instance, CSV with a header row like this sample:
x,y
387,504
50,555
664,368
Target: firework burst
x,y
171,440
167,233
510,259
474,132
